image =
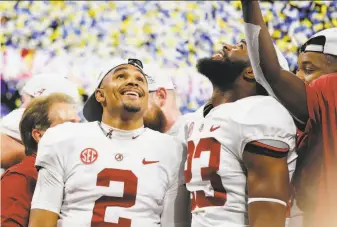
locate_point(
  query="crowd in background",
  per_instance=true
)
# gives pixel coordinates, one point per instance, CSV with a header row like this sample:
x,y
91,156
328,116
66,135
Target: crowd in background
x,y
74,38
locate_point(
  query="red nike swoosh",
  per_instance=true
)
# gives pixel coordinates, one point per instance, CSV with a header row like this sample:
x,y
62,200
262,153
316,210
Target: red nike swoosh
x,y
214,128
148,162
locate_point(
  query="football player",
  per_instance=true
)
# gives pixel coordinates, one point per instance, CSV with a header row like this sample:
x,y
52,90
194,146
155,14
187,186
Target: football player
x,y
241,154
111,171
314,106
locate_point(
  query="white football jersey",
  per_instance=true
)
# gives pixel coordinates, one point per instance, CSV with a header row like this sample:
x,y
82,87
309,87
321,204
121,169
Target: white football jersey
x,y
214,171
9,125
134,178
180,127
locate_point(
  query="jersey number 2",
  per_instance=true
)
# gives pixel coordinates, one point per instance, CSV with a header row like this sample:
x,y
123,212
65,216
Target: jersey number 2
x,y
128,200
209,173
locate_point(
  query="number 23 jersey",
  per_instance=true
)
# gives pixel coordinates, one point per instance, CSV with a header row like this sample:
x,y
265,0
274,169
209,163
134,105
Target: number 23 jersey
x,y
214,170
133,179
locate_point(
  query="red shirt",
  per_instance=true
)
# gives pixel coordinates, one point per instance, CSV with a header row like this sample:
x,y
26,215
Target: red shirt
x,y
316,181
17,188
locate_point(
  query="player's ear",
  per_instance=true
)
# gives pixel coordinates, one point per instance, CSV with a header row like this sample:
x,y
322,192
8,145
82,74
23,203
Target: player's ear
x,y
99,95
161,96
37,134
248,73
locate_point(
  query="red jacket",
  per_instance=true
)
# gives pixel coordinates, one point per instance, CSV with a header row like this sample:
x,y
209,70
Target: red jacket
x,y
17,189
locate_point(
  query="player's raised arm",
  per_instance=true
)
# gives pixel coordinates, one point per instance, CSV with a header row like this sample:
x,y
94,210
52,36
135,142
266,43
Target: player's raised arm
x,y
281,84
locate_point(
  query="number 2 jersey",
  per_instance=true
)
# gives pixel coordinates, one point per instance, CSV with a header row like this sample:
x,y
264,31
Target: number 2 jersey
x,y
214,170
134,178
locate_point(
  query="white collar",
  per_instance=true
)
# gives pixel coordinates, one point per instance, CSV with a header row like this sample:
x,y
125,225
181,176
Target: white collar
x,y
112,133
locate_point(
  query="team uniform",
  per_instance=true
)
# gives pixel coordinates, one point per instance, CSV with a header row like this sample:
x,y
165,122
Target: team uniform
x,y
214,171
180,127
121,178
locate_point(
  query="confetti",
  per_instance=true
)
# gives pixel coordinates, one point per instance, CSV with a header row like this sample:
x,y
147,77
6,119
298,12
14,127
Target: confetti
x,y
171,34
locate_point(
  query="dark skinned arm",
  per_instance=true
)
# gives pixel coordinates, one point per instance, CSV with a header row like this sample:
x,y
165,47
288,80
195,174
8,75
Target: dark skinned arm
x,y
288,88
268,177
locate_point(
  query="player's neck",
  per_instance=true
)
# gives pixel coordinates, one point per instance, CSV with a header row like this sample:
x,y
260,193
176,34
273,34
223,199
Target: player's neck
x,y
221,97
123,123
171,118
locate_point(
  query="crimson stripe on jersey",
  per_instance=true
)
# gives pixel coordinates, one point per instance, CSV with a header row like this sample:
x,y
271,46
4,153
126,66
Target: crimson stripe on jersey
x,y
263,149
256,143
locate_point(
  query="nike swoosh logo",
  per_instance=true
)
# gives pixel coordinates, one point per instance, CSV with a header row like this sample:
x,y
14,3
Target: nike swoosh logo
x,y
148,162
135,137
214,128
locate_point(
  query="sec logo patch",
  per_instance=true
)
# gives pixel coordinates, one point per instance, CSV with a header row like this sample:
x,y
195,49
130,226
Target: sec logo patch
x,y
89,156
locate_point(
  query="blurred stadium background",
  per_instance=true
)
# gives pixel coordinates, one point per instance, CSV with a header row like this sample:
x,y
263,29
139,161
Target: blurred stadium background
x,y
74,38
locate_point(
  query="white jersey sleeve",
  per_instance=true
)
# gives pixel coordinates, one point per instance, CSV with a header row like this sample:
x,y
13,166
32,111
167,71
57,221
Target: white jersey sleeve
x,y
176,208
9,125
47,185
267,123
51,162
